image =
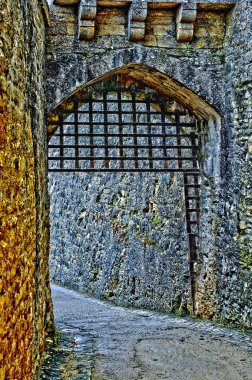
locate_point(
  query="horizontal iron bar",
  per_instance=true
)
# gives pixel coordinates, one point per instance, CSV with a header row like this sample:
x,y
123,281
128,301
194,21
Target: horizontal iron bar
x,y
195,185
136,101
119,158
192,210
101,112
114,112
114,101
120,170
123,135
189,175
123,146
167,124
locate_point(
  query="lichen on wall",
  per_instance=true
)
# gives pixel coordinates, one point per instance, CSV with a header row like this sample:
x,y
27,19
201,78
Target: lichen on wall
x,y
234,263
121,238
110,273
216,66
22,119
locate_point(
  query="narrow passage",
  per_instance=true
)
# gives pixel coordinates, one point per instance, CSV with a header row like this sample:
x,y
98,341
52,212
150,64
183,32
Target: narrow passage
x,y
99,341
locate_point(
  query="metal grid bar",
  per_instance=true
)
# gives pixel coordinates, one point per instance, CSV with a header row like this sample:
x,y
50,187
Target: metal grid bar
x,y
165,135
61,140
68,111
177,120
147,170
149,133
106,162
165,146
134,114
118,158
121,146
91,131
120,124
76,137
190,223
167,123
192,206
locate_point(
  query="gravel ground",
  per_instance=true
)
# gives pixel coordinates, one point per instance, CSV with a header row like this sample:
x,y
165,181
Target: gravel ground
x,y
100,341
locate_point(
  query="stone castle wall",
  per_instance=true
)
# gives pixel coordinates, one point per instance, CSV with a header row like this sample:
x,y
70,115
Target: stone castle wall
x,y
233,248
111,247
102,240
25,297
120,237
234,263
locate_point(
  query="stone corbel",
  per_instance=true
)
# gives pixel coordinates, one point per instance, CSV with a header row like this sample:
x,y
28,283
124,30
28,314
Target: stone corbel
x,y
136,21
87,15
186,16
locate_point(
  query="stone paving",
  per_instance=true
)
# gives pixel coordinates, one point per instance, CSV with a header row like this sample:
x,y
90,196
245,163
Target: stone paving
x,y
100,341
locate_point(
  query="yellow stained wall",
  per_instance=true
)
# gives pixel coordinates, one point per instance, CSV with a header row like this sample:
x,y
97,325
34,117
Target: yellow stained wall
x,y
22,321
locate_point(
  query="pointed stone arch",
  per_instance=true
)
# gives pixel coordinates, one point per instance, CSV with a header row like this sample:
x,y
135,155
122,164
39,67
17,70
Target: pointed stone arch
x,y
209,122
149,76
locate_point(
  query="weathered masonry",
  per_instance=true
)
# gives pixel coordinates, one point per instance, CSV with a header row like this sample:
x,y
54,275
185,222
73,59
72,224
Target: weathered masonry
x,y
125,235
25,302
166,72
120,125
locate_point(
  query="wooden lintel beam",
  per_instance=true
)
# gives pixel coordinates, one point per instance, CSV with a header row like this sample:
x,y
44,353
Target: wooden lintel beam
x,y
202,4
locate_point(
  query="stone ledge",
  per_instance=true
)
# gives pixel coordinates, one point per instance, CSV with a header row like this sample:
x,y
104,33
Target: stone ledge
x,y
137,12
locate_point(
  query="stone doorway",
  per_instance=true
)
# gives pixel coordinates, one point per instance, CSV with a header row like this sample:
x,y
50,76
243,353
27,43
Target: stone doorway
x,y
122,124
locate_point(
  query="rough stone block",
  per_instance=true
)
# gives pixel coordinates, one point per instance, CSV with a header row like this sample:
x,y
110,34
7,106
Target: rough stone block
x,y
138,11
88,10
136,21
87,29
185,32
187,13
137,31
185,19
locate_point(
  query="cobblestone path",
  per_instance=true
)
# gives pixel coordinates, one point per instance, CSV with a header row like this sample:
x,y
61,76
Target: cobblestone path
x,y
100,341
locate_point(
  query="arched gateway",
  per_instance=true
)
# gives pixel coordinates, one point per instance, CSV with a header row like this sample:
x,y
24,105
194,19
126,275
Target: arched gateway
x,y
134,119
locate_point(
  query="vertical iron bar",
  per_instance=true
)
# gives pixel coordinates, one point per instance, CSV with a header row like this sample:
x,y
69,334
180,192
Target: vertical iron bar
x,y
177,121
106,162
187,213
196,177
149,131
192,234
133,97
91,129
76,132
194,237
61,119
162,106
120,121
